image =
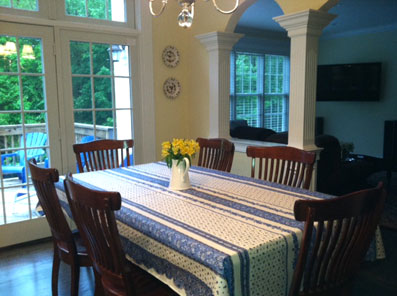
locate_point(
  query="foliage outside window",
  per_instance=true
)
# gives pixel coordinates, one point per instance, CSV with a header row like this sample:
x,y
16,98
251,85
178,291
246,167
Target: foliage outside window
x,y
260,90
31,5
29,65
112,10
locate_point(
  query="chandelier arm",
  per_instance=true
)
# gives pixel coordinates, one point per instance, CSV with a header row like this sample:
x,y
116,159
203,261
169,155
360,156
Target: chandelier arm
x,y
226,11
161,10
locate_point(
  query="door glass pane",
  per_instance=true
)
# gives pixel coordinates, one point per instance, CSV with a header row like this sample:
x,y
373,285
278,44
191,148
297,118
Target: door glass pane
x,y
30,55
83,117
103,92
122,92
112,10
23,126
33,92
121,63
82,92
9,93
104,118
80,57
8,54
124,120
35,118
101,59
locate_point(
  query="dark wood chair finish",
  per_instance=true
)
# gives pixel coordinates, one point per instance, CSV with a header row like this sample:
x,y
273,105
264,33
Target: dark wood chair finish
x,y
103,154
331,252
216,154
94,214
282,164
68,246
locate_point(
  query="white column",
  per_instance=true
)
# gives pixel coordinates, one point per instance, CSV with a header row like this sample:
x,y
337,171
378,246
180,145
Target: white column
x,y
304,28
219,45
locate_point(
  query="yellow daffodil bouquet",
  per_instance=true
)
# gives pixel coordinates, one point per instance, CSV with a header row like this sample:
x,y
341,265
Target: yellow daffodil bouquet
x,y
178,149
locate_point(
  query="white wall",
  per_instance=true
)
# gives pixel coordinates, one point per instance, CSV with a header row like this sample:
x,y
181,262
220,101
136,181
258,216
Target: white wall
x,y
362,122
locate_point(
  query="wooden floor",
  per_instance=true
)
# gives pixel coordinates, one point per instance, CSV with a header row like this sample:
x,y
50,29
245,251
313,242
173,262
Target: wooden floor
x,y
26,270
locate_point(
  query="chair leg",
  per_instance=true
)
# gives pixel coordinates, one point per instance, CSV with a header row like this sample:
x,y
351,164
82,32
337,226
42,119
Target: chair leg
x,y
55,271
75,268
98,284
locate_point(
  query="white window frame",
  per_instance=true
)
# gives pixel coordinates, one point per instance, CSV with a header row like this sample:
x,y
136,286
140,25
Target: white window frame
x,y
55,10
261,94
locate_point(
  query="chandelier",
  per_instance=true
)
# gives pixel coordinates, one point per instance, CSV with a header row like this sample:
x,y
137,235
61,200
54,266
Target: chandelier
x,y
185,18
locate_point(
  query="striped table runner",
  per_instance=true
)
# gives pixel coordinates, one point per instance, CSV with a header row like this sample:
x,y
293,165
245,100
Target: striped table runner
x,y
227,235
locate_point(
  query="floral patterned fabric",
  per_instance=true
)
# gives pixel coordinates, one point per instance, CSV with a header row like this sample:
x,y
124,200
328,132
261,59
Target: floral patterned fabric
x,y
227,235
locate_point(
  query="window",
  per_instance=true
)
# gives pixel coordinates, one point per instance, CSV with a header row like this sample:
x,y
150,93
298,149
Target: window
x,y
259,90
112,10
20,4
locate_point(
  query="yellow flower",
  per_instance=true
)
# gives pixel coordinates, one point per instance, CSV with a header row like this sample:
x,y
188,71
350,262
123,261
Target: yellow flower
x,y
165,153
178,149
166,145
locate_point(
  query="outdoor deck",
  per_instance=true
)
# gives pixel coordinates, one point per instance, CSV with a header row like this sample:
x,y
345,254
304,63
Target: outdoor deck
x,y
16,202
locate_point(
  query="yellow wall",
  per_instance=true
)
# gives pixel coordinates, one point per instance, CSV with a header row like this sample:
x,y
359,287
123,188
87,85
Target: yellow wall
x,y
187,116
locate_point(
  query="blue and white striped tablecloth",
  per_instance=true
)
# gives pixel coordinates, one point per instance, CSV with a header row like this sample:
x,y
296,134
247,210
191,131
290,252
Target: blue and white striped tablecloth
x,y
227,235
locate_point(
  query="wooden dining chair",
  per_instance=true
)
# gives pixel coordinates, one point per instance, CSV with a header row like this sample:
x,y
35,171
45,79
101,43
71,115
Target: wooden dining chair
x,y
282,164
336,237
68,246
103,154
94,215
216,154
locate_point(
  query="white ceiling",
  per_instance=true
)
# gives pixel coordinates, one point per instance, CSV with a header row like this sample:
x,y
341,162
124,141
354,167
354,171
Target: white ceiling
x,y
353,17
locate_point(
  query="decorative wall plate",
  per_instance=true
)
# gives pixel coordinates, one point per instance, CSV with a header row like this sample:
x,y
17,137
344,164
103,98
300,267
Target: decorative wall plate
x,y
170,56
171,88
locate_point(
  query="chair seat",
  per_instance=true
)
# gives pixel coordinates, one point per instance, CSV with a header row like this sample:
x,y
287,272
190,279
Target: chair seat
x,y
80,247
12,169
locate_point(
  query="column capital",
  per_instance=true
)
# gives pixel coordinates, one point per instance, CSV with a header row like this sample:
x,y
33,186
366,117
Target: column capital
x,y
307,22
216,41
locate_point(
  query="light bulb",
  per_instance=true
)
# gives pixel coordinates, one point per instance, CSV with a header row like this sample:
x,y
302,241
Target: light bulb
x,y
185,18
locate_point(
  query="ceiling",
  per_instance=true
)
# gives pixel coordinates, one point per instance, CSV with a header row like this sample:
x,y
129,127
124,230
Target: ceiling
x,y
353,17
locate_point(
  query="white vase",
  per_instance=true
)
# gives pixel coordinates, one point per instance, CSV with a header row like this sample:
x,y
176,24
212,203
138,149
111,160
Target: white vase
x,y
180,174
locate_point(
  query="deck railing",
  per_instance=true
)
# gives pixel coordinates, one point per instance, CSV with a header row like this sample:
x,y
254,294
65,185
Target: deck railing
x,y
10,135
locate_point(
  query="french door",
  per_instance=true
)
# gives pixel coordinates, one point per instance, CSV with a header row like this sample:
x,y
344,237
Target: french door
x,y
29,126
58,87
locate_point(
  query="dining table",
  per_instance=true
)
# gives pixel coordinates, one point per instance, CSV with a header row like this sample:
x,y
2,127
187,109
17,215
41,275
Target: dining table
x,y
225,235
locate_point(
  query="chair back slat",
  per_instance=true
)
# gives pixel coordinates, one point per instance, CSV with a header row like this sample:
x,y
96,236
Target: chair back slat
x,y
344,227
216,154
284,165
94,215
102,154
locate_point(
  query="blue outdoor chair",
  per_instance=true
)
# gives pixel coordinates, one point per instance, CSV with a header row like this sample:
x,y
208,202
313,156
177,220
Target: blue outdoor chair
x,y
18,165
85,139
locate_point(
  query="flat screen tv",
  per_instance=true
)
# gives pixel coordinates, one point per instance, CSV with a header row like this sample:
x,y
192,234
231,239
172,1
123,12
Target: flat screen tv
x,y
349,82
